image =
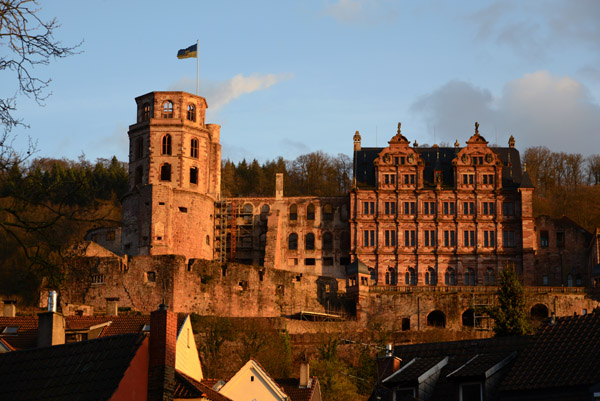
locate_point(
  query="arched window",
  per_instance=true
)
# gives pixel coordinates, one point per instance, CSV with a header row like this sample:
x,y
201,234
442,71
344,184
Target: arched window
x,y
468,318
167,109
139,175
247,211
139,148
165,172
450,277
309,241
262,241
470,277
410,278
264,212
293,212
145,112
490,277
194,148
569,280
345,240
436,319
191,112
310,212
293,241
327,212
327,241
193,175
393,276
166,145
430,276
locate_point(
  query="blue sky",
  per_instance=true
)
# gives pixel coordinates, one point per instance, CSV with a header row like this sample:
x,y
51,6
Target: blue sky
x,y
284,78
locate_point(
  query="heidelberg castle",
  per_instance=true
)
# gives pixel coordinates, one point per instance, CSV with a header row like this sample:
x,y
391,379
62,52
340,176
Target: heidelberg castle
x,y
416,217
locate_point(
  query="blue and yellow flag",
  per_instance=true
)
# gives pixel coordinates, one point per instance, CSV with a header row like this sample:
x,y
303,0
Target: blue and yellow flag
x,y
190,52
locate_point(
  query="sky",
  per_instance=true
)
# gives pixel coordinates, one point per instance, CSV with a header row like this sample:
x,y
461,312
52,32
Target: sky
x,y
284,78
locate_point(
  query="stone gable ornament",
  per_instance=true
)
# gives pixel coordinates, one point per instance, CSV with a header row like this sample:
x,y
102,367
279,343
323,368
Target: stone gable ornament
x,y
465,159
488,158
410,159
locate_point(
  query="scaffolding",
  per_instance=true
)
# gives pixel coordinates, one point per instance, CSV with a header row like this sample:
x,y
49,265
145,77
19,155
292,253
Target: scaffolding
x,y
233,232
481,302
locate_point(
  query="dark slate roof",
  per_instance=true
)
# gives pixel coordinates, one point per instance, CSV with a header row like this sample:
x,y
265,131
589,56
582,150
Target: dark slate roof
x,y
290,387
364,170
87,370
411,370
357,267
186,387
481,365
565,354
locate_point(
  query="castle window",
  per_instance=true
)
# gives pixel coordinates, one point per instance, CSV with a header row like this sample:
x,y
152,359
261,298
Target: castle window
x,y
139,148
293,212
448,208
309,242
369,238
428,208
327,212
569,280
264,212
488,208
207,240
193,175
390,208
327,241
146,112
310,212
544,239
508,238
110,235
166,145
191,112
410,278
150,277
489,239
309,261
449,238
165,172
468,179
430,276
390,237
97,278
470,277
368,208
490,277
488,179
429,237
508,209
468,208
293,241
391,277
450,277
409,179
469,236
345,240
167,109
410,208
409,237
139,174
560,239
194,148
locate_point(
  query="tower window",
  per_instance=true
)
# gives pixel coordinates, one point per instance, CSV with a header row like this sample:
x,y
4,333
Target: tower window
x,y
166,145
191,112
194,148
139,174
139,148
167,109
165,172
193,175
145,112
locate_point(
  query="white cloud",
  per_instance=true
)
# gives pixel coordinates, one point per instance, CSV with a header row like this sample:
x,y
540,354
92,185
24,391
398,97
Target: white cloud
x,y
218,94
362,11
538,109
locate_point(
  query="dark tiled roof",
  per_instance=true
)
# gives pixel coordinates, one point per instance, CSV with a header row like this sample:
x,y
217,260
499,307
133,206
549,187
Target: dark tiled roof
x,y
480,364
26,336
290,387
437,157
186,387
87,370
564,354
411,370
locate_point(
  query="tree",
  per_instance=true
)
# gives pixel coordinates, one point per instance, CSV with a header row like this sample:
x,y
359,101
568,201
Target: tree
x,y
510,316
30,41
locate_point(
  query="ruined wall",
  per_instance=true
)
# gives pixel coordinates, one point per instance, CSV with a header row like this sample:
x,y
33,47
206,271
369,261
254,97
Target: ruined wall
x,y
199,286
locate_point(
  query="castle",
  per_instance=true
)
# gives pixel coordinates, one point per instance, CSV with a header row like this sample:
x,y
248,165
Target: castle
x,y
446,219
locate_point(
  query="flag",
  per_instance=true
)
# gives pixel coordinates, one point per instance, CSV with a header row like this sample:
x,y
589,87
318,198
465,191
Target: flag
x,y
191,51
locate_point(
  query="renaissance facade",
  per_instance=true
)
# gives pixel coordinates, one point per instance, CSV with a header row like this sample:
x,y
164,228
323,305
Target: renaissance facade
x,y
440,215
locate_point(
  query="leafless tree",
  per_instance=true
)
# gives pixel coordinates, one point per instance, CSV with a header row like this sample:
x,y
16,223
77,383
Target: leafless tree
x,y
29,42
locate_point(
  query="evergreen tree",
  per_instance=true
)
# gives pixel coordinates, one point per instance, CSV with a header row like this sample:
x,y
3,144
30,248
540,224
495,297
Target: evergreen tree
x,y
510,316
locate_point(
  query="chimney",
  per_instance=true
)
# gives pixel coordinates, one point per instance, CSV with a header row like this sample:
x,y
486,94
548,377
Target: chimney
x,y
304,375
161,367
279,186
112,306
10,308
51,325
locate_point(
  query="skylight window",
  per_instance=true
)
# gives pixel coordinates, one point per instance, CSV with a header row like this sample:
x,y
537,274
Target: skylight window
x,y
10,330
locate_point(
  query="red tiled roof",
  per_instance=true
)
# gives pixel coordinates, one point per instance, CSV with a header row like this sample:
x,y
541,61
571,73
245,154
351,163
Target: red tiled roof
x,y
186,387
26,336
87,370
290,386
565,354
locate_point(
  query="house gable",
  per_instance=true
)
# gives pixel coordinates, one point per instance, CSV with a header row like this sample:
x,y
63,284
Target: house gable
x,y
187,360
253,382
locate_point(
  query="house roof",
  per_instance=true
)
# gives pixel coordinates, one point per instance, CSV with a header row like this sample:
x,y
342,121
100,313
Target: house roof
x,y
186,387
26,336
416,370
563,354
87,370
296,393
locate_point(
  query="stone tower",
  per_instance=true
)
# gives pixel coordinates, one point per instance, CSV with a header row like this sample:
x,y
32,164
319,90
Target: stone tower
x,y
174,177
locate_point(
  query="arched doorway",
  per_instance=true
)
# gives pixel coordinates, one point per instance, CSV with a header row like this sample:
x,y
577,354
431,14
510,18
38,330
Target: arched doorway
x,y
436,319
468,318
539,312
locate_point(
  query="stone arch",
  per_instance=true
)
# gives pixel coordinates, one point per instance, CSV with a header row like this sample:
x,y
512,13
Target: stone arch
x,y
437,318
264,212
310,212
539,312
468,318
293,212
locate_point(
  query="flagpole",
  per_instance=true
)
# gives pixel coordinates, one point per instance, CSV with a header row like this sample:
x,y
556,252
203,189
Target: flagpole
x,y
197,65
